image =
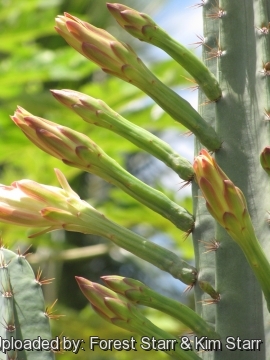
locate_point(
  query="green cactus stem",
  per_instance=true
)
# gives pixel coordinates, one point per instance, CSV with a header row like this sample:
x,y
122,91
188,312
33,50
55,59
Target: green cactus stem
x,y
208,289
96,112
90,221
239,117
141,26
22,309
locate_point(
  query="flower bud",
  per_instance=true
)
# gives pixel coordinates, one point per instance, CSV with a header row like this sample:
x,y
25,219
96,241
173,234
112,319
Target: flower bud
x,y
224,201
265,159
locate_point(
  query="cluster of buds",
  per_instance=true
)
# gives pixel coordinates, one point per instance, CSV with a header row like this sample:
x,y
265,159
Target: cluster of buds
x,y
142,27
112,307
76,149
31,204
118,59
138,293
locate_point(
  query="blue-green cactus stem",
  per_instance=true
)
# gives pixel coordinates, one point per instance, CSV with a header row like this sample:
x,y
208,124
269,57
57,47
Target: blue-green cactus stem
x,y
204,230
262,33
239,118
22,307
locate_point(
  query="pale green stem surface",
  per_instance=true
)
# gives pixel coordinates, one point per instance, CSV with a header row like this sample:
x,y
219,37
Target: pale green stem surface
x,y
239,118
204,230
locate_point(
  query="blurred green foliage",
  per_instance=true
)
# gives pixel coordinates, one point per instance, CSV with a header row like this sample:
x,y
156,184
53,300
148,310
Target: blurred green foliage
x,y
34,59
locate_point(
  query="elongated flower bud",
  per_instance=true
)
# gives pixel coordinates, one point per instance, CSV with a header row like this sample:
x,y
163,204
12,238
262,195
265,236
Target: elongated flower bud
x,y
118,310
24,202
100,47
144,28
139,293
265,159
76,149
226,203
59,141
117,58
31,204
97,112
96,294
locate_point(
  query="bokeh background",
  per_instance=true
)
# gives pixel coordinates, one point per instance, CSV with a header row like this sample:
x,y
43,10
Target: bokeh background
x,y
34,59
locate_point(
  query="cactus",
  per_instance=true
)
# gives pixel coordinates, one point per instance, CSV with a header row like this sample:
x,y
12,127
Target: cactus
x,y
24,321
238,118
230,188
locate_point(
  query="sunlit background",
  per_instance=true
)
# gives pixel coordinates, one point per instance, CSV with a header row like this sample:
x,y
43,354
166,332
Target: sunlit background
x,y
35,59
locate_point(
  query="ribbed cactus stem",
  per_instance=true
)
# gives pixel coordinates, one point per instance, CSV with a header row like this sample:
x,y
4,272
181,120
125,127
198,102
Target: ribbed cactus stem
x,y
204,230
261,21
22,310
239,118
